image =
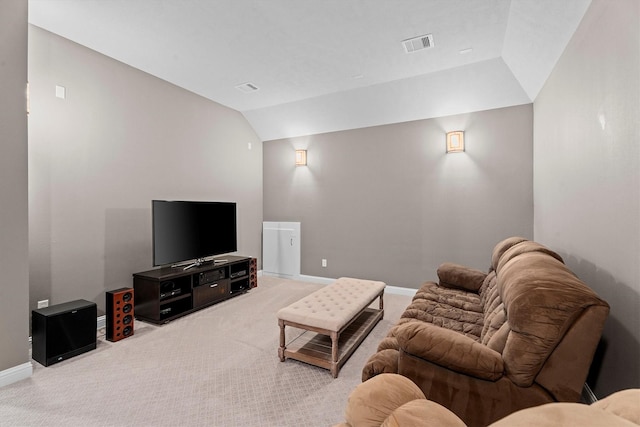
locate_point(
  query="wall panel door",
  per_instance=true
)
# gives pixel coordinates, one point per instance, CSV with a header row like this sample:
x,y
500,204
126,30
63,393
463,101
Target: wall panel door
x,y
281,249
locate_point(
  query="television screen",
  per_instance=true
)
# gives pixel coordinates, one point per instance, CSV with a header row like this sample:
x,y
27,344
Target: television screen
x,y
191,230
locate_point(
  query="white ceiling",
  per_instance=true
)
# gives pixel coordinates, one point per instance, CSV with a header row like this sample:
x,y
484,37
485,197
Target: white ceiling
x,y
327,65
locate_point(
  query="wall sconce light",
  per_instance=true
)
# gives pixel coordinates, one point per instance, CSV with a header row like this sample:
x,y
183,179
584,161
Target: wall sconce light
x,y
455,142
301,157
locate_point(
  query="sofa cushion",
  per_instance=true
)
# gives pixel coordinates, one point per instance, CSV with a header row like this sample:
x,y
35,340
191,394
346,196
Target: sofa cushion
x,y
452,275
498,339
457,298
494,314
450,350
454,309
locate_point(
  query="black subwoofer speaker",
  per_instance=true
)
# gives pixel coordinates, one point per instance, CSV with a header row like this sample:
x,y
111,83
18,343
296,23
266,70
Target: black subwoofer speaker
x,y
253,273
61,331
119,314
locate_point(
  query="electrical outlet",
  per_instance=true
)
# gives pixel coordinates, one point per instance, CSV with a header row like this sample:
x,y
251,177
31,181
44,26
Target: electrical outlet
x,y
44,303
324,262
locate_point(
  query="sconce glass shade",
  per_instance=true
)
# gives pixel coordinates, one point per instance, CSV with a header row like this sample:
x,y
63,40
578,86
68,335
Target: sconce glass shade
x,y
455,142
301,157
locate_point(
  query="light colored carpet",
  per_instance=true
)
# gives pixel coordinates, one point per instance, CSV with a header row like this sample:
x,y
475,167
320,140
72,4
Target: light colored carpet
x,y
215,367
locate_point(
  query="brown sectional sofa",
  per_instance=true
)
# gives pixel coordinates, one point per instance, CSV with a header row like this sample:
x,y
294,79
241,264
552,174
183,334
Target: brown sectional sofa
x,y
485,345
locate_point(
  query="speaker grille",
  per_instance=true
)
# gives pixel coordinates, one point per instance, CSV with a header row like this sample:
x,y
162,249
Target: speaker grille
x,y
119,314
253,273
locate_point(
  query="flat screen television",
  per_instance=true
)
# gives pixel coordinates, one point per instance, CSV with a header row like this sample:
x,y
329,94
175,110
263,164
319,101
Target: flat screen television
x,y
186,231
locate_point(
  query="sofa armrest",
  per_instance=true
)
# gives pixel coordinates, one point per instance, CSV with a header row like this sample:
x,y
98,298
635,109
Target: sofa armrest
x,y
450,350
622,403
458,276
383,362
394,400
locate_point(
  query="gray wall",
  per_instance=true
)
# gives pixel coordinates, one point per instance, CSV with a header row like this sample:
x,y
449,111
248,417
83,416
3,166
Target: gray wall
x,y
587,175
387,203
97,158
14,280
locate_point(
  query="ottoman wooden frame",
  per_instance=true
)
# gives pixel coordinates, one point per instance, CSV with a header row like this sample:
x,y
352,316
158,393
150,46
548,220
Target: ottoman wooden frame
x,y
339,315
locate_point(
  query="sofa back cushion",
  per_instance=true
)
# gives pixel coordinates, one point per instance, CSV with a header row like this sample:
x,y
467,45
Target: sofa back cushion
x,y
524,247
501,248
542,298
494,314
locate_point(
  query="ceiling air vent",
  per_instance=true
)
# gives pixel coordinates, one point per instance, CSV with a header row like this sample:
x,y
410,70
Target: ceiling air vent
x,y
247,87
418,43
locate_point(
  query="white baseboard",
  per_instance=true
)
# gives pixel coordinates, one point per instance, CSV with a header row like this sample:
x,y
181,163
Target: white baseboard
x,y
15,374
102,322
316,279
397,290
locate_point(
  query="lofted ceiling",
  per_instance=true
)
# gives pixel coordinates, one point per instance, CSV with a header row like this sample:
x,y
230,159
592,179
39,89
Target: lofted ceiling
x,y
328,65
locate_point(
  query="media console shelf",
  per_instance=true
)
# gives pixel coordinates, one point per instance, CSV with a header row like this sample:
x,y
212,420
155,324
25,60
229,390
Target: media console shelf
x,y
167,293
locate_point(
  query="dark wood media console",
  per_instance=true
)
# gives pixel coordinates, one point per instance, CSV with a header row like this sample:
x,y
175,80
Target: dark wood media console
x,y
164,294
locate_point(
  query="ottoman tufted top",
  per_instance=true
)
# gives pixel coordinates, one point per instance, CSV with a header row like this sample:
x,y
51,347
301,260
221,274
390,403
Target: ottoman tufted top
x,y
333,306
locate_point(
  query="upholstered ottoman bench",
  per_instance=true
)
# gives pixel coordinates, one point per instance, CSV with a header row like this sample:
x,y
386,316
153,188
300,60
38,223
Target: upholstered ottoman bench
x,y
336,319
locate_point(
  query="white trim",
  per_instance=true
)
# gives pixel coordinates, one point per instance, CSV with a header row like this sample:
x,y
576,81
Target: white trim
x,y
15,374
316,279
282,276
397,290
102,322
